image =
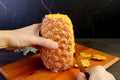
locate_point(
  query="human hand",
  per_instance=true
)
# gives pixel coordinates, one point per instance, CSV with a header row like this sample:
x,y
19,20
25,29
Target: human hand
x,y
96,73
28,36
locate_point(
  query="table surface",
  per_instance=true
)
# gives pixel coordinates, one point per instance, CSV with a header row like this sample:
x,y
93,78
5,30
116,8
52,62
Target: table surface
x,y
111,46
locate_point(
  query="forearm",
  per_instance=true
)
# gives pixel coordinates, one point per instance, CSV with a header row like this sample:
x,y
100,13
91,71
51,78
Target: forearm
x,y
4,38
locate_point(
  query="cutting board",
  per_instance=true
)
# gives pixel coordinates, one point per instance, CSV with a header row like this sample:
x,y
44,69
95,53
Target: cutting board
x,y
32,68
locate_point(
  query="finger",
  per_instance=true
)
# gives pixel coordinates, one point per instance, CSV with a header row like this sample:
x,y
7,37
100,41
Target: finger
x,y
81,76
37,26
43,42
35,29
111,76
105,75
94,72
96,69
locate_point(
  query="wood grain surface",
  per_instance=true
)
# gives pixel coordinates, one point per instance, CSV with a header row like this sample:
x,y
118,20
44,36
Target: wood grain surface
x,y
31,68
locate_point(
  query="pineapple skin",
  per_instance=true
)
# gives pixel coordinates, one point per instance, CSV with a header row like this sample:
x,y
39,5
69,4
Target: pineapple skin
x,y
59,28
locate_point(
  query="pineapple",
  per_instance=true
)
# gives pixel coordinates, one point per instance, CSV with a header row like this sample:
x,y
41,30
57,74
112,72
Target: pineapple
x,y
59,28
98,57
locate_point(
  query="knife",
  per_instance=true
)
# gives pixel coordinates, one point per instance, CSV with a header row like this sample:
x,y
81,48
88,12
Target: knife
x,y
80,66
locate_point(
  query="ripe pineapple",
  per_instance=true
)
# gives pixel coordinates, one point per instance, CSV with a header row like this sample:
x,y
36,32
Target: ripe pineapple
x,y
59,28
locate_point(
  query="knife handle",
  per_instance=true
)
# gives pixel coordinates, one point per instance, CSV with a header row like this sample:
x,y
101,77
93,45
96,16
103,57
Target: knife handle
x,y
87,75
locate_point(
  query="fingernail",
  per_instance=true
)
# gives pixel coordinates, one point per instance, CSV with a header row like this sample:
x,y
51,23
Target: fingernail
x,y
54,45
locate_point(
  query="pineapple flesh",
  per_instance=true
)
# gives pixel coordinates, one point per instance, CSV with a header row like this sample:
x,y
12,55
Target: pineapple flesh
x,y
59,28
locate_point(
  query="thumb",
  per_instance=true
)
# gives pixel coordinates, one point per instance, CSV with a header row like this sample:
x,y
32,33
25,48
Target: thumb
x,y
81,76
40,41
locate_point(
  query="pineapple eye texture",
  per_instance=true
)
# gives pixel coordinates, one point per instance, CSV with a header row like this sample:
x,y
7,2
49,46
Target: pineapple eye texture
x,y
59,28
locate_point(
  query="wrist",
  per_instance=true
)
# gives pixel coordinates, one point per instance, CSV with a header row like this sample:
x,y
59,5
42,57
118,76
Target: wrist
x,y
4,38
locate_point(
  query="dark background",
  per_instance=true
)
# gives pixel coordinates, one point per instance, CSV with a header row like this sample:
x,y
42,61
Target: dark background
x,y
91,18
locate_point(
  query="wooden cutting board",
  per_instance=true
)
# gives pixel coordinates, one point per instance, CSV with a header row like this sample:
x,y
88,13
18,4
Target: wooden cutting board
x,y
31,68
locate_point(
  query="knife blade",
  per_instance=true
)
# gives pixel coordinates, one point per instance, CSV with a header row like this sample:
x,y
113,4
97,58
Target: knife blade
x,y
80,66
